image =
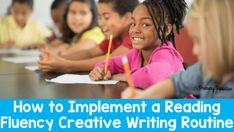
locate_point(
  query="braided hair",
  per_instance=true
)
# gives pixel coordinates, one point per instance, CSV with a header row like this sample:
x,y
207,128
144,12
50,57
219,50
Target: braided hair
x,y
171,11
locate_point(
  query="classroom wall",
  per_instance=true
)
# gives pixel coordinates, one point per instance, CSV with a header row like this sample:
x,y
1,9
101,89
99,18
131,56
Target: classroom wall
x,y
41,10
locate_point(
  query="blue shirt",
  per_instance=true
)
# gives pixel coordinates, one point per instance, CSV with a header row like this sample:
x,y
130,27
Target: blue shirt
x,y
191,82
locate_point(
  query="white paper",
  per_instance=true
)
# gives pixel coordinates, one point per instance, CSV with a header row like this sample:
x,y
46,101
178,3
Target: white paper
x,y
21,59
29,52
32,68
9,51
76,79
20,52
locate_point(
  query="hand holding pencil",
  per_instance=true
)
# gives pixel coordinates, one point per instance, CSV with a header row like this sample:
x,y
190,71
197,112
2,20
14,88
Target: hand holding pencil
x,y
100,73
45,53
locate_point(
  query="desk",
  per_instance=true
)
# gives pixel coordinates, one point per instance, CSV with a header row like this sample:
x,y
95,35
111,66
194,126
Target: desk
x,y
17,82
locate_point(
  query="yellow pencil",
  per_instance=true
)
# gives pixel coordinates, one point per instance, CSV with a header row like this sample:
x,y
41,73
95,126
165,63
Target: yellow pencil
x,y
108,55
46,54
128,76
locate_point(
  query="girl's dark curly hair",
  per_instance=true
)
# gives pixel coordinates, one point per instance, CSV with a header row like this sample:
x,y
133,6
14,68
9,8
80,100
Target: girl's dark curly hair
x,y
67,33
166,11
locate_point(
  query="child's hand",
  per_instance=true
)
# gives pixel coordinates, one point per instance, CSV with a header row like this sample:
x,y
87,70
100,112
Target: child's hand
x,y
98,74
119,77
44,54
127,93
30,46
42,47
56,43
7,45
52,63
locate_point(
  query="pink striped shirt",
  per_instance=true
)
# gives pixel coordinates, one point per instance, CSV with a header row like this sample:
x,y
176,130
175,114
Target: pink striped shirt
x,y
164,61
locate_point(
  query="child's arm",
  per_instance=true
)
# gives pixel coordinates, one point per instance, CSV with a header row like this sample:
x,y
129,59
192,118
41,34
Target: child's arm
x,y
188,82
6,45
179,85
81,45
151,74
163,89
119,77
56,64
83,54
59,64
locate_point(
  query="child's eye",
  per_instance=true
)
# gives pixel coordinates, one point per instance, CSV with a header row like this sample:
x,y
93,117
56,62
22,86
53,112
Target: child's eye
x,y
83,13
145,25
72,12
106,18
132,25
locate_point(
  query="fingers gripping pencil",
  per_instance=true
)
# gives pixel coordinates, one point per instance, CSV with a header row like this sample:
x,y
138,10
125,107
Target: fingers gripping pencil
x,y
128,75
108,55
45,54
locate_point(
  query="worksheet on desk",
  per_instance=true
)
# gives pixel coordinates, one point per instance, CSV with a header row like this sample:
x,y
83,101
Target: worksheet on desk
x,y
32,67
9,51
78,79
20,52
21,59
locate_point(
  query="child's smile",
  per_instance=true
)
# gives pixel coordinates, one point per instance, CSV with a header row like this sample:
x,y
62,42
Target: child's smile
x,y
137,40
142,31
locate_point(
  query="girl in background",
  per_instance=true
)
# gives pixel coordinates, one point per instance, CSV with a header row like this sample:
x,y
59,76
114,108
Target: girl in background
x,y
79,28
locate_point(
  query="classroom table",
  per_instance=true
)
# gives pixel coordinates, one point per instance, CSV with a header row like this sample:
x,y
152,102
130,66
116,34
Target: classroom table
x,y
17,82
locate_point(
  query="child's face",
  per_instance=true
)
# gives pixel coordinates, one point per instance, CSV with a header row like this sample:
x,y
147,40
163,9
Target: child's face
x,y
142,30
57,13
79,17
21,13
194,30
110,21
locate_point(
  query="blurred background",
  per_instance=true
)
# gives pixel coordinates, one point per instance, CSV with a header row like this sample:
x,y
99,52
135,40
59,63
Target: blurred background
x,y
41,10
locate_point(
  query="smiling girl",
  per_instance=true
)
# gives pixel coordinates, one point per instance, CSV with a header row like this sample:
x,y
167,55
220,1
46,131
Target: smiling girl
x,y
210,25
153,58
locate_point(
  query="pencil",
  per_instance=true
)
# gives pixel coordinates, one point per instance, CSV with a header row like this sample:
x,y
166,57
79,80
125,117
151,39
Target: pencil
x,y
128,75
108,55
46,54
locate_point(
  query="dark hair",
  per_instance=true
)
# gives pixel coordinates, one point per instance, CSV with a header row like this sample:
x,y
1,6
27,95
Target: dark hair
x,y
67,33
27,2
57,3
161,11
121,6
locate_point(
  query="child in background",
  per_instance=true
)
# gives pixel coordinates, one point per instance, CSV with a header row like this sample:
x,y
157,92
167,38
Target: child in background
x,y
153,58
79,29
57,10
210,24
114,19
17,30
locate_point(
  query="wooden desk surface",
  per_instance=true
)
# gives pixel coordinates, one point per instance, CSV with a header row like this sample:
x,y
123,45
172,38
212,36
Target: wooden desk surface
x,y
17,82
